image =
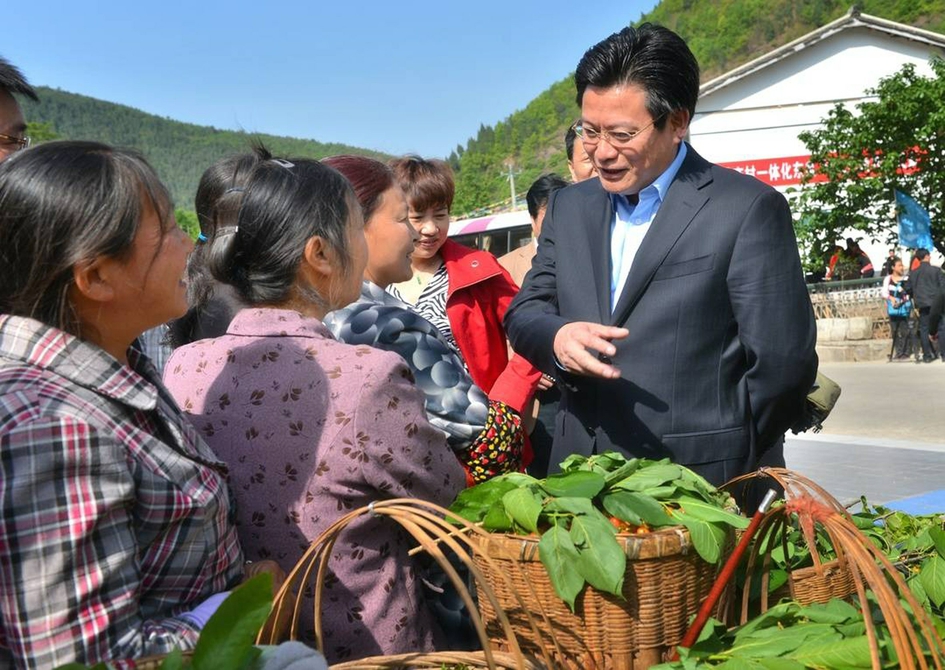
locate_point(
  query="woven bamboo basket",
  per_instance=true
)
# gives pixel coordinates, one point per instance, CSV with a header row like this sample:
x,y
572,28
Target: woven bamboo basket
x,y
818,583
810,585
426,523
665,583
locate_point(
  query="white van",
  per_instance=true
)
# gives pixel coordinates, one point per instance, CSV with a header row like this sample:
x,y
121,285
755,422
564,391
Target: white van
x,y
497,233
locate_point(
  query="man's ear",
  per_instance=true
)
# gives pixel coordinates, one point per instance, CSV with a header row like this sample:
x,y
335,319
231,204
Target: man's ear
x,y
679,122
91,281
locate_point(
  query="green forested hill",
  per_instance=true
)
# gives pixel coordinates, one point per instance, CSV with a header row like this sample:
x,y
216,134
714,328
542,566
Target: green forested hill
x,y
723,34
180,152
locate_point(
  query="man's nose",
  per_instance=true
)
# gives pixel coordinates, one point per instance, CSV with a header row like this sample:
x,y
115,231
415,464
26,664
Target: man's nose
x,y
604,151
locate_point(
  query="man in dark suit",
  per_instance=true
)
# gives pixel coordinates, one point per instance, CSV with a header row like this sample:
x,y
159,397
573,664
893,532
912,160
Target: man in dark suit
x,y
667,296
926,284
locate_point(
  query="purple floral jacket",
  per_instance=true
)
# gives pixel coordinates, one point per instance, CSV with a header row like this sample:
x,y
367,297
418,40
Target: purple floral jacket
x,y
312,428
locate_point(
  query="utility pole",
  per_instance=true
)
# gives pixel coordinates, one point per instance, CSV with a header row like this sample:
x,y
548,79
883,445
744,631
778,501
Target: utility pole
x,y
510,166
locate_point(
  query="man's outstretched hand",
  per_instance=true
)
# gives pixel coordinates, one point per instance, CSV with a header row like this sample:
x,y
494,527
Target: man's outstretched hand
x,y
578,344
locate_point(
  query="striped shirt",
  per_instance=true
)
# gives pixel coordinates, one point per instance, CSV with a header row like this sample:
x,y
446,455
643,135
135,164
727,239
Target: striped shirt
x,y
115,517
431,305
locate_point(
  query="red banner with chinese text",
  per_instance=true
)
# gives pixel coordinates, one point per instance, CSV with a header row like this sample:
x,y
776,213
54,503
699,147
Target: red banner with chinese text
x,y
785,171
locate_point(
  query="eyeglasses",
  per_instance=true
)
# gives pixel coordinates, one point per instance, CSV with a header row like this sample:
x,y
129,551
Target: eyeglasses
x,y
14,143
615,138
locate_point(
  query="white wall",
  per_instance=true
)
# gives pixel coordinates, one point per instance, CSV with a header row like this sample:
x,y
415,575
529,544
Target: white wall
x,y
759,116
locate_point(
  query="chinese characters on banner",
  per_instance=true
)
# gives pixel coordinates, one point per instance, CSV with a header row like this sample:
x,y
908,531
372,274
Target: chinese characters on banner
x,y
785,171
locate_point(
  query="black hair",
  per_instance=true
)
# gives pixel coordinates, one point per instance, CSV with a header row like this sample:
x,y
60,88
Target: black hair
x,y
65,203
259,240
212,304
921,253
540,191
569,138
651,57
13,81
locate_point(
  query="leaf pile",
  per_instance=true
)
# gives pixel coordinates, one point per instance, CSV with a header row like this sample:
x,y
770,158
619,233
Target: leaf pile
x,y
916,546
578,514
789,636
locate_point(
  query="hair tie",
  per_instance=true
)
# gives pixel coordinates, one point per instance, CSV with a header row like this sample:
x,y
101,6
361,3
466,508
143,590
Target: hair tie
x,y
201,239
281,162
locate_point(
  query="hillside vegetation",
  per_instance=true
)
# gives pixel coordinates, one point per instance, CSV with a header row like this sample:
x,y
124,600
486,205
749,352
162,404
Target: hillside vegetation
x,y
723,34
180,152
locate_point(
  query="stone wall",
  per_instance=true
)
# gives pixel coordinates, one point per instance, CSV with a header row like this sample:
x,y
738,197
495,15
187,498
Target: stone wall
x,y
851,321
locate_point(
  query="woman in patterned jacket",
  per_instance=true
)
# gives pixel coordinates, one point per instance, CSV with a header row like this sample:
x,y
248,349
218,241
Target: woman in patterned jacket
x,y
116,525
463,292
310,427
486,435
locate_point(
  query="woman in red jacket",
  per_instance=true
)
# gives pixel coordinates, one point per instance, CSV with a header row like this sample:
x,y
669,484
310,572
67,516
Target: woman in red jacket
x,y
463,292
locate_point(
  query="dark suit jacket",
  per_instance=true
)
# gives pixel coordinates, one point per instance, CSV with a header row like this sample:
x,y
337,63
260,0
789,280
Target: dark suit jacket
x,y
720,354
925,284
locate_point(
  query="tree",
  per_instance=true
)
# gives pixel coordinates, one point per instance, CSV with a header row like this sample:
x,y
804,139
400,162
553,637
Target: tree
x,y
41,132
188,222
894,142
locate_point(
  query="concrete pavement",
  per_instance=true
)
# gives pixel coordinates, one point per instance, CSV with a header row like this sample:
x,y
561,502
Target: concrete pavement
x,y
885,438
889,401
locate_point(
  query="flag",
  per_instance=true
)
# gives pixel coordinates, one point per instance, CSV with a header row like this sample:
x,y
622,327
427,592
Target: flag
x,y
915,224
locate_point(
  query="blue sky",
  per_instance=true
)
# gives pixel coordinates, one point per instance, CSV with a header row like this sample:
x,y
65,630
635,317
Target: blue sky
x,y
410,76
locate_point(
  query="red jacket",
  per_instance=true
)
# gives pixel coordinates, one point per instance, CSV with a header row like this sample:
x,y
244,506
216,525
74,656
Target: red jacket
x,y
480,291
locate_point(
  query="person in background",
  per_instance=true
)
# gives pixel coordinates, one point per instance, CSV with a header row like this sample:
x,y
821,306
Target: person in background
x,y
888,263
925,284
860,257
518,262
579,163
835,255
667,295
899,309
116,523
213,304
936,314
461,291
486,435
13,135
310,427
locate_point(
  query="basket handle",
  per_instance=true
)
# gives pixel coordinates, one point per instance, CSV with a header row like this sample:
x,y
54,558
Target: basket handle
x,y
427,523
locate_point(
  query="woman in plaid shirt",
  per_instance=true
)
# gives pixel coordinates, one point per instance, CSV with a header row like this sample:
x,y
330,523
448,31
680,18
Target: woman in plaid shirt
x,y
116,525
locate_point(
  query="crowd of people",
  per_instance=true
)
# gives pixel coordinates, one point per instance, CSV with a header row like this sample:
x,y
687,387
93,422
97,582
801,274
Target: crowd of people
x,y
914,302
913,295
177,415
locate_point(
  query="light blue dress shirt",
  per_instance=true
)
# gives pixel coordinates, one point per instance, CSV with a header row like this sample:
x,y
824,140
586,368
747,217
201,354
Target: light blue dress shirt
x,y
631,223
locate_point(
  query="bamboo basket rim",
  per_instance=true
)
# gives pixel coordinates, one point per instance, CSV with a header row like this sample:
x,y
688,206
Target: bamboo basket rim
x,y
657,543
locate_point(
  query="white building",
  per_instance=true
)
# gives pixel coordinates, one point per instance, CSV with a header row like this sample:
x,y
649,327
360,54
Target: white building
x,y
749,118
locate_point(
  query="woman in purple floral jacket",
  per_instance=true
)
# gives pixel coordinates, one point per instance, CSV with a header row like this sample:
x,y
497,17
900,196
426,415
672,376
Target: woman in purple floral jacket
x,y
310,427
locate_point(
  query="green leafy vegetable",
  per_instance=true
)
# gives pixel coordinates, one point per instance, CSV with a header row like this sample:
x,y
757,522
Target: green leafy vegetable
x,y
580,512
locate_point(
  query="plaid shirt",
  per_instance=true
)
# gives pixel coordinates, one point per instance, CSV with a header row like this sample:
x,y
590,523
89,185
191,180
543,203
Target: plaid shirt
x,y
116,516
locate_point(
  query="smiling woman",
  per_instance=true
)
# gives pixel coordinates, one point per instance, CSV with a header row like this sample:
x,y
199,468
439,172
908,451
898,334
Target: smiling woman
x,y
100,473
